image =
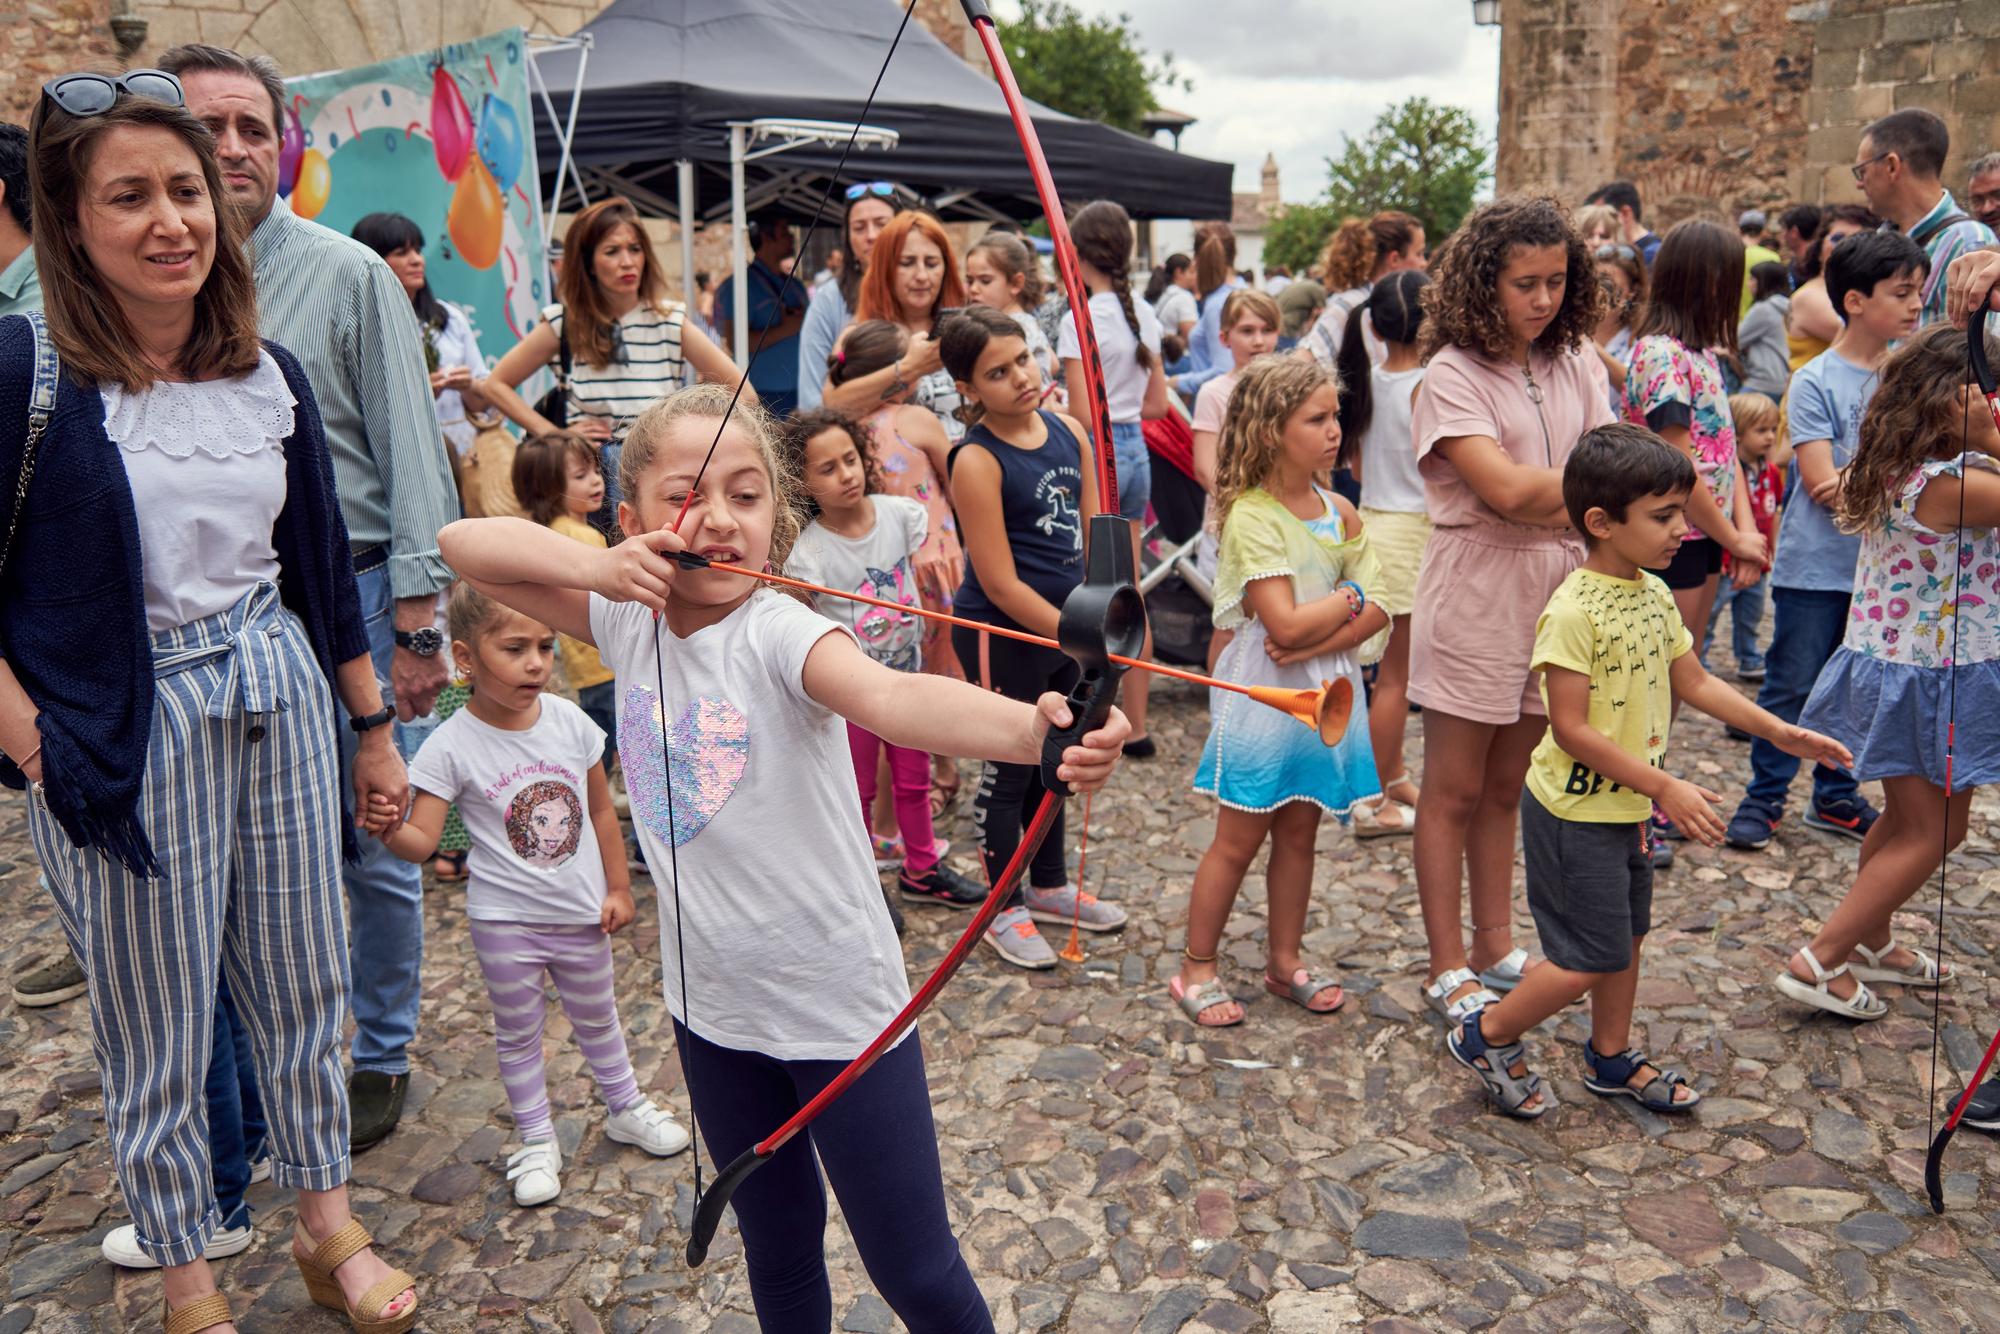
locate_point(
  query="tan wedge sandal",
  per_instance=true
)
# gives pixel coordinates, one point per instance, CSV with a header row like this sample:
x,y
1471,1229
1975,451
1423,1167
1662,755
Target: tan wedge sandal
x,y
199,1314
366,1316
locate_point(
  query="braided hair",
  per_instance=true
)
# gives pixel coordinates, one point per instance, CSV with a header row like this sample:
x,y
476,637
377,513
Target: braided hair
x,y
1103,234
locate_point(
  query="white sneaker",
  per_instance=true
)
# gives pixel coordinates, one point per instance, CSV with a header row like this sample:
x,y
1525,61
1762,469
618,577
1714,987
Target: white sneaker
x,y
650,1128
535,1172
260,1170
121,1246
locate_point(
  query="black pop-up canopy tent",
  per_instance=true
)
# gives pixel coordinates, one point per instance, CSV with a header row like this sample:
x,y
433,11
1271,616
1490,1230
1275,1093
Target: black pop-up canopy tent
x,y
665,79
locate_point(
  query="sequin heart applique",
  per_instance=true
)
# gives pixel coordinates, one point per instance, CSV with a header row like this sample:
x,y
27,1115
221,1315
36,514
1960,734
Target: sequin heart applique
x,y
710,741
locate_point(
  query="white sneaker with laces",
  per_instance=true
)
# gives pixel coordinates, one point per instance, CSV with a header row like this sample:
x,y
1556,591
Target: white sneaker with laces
x,y
650,1128
121,1246
536,1173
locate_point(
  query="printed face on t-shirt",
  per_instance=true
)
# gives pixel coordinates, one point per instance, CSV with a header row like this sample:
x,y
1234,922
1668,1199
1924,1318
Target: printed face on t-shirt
x,y
545,823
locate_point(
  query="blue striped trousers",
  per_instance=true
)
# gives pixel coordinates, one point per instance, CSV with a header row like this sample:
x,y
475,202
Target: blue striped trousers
x,y
242,803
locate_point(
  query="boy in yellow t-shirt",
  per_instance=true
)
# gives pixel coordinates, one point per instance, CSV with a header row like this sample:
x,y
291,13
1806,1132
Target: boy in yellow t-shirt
x,y
1614,656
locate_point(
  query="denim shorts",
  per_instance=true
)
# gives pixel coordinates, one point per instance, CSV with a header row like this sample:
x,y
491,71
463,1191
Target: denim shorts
x,y
1135,469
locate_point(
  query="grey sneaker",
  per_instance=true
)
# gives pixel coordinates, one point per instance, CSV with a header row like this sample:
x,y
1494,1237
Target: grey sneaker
x,y
1060,906
1014,938
52,983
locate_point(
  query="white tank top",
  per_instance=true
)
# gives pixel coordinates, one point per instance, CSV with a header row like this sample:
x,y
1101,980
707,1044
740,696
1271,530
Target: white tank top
x,y
1389,478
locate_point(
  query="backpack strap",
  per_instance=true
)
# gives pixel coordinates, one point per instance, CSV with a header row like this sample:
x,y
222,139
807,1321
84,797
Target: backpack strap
x,y
41,405
1922,235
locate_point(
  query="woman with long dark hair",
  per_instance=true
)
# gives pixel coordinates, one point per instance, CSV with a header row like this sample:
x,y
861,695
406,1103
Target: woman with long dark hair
x,y
184,777
451,349
870,205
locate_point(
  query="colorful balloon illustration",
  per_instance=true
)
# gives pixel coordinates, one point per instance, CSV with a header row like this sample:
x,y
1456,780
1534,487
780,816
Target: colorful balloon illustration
x,y
314,185
451,124
477,218
291,149
499,141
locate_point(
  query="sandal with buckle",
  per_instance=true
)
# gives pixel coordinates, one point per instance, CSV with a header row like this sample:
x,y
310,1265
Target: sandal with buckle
x,y
1506,974
1494,1064
1610,1077
366,1316
1862,1005
1927,973
1301,994
1455,1011
1384,817
199,1314
1199,999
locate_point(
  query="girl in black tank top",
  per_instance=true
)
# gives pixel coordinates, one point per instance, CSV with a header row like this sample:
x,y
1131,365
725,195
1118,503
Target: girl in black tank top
x,y
1021,485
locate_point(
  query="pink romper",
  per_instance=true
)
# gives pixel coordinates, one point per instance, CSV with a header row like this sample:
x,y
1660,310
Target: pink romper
x,y
906,471
1486,579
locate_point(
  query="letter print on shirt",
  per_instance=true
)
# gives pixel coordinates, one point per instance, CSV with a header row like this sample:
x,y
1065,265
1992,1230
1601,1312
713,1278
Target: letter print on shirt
x,y
1059,504
711,745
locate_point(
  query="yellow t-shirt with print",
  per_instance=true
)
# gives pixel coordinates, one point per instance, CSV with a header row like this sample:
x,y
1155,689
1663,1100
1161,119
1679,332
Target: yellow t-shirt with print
x,y
581,662
1624,635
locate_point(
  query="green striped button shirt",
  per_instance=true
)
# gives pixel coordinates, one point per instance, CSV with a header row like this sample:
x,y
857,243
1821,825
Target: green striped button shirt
x,y
345,316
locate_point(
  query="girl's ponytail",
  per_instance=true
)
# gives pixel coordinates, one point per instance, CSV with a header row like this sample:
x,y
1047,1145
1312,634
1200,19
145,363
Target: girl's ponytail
x,y
1103,234
868,347
1394,309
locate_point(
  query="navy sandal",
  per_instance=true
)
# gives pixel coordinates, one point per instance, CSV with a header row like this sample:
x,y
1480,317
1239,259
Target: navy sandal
x,y
1494,1066
1609,1075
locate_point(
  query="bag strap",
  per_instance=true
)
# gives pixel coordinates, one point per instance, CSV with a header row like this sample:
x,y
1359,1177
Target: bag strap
x,y
41,405
1923,235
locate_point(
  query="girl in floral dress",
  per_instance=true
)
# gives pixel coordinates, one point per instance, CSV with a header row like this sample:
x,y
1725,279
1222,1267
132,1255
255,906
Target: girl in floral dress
x,y
1923,645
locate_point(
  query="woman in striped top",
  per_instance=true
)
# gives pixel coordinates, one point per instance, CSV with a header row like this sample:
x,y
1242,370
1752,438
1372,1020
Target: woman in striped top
x,y
629,345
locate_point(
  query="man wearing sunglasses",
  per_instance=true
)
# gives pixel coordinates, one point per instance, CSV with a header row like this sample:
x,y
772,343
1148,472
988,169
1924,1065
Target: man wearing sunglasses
x,y
345,315
1898,165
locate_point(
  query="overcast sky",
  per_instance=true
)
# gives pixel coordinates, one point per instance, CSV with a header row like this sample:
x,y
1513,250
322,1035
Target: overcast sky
x,y
1291,76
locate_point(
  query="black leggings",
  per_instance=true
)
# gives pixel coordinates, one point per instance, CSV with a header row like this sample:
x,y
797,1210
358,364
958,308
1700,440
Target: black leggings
x,y
1009,793
878,1145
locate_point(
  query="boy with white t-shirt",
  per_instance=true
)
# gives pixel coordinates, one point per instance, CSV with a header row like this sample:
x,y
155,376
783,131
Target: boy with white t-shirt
x,y
548,884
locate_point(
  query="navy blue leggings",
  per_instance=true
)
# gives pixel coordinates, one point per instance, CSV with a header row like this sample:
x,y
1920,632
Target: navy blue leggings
x,y
879,1148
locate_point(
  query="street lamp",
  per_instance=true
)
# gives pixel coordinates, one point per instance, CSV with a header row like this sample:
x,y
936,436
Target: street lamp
x,y
1486,13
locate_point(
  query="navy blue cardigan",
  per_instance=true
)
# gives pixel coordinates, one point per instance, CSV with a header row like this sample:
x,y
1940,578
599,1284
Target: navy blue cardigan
x,y
73,607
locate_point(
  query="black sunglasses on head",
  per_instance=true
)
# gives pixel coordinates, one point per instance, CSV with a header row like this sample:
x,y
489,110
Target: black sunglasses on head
x,y
95,94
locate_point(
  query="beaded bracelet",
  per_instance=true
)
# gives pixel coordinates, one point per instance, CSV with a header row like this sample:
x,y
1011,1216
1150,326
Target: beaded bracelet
x,y
1360,596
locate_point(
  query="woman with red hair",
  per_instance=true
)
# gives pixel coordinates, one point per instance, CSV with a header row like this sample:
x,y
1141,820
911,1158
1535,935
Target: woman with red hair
x,y
913,278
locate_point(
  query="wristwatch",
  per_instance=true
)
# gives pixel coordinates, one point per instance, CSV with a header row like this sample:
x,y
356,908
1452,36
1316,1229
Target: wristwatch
x,y
425,642
368,722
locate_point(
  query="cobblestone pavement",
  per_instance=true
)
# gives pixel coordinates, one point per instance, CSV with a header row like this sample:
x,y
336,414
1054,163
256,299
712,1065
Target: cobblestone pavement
x,y
1112,1169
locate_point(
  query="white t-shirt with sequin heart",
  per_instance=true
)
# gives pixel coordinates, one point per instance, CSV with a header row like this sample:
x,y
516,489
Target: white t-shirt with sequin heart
x,y
787,940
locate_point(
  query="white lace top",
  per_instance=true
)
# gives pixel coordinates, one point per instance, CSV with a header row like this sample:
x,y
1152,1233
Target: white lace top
x,y
206,463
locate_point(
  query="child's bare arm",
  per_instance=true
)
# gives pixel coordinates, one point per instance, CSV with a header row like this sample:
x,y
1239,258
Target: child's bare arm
x,y
1691,806
540,573
618,907
946,717
1699,690
1291,624
419,834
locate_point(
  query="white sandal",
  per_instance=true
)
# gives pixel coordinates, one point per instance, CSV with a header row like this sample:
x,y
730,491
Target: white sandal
x,y
1925,974
1863,1004
1385,817
1455,1011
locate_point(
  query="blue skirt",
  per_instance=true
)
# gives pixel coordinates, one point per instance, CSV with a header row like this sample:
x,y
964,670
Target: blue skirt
x,y
1257,759
1894,717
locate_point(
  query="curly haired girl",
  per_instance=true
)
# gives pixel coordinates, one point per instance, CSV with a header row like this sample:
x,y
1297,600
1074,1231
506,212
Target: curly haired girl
x,y
1924,493
1511,383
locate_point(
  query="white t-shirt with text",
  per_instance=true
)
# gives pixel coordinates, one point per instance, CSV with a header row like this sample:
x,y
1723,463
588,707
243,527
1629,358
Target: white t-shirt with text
x,y
787,939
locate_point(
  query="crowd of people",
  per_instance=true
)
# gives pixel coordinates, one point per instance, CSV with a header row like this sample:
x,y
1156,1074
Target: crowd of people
x,y
1511,482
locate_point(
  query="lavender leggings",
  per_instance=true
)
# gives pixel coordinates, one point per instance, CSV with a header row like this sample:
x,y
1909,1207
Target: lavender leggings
x,y
514,956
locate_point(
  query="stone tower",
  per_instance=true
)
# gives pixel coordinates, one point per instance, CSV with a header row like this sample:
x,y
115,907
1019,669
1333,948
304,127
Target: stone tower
x,y
1267,185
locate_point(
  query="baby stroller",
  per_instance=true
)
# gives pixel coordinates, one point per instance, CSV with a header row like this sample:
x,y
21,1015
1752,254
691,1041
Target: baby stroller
x,y
1178,598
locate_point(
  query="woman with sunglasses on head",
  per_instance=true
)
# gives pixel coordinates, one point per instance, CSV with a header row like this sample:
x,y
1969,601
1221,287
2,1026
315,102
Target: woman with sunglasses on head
x,y
179,748
625,344
913,281
870,206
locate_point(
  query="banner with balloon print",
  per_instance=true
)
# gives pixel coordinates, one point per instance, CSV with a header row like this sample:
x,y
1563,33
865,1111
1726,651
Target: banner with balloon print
x,y
402,136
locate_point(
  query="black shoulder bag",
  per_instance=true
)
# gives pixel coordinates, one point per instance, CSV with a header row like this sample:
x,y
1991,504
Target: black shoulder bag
x,y
554,405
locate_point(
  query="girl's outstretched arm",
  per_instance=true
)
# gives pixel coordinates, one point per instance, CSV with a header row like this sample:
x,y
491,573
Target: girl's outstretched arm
x,y
946,717
540,573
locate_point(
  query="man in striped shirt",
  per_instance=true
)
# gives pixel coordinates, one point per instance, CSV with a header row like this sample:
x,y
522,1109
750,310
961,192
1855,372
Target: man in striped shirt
x,y
1898,165
339,309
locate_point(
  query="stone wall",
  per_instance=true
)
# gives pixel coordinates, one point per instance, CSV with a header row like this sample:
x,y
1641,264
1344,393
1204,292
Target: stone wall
x,y
45,38
305,36
1715,105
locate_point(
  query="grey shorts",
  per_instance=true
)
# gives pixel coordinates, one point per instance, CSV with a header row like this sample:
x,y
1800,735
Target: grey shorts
x,y
1590,887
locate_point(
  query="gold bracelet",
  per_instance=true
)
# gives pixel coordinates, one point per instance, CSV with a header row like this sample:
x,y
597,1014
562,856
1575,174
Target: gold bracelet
x,y
1192,957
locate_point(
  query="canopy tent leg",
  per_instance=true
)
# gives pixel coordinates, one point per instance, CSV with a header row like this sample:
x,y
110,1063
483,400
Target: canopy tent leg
x,y
565,125
739,226
684,177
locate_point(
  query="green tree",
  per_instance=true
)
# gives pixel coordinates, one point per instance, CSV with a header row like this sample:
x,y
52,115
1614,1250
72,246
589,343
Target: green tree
x,y
1092,68
1425,159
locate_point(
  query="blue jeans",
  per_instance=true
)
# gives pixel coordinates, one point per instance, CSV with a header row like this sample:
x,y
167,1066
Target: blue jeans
x,y
1808,627
235,1112
879,1148
1135,469
385,894
1744,621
